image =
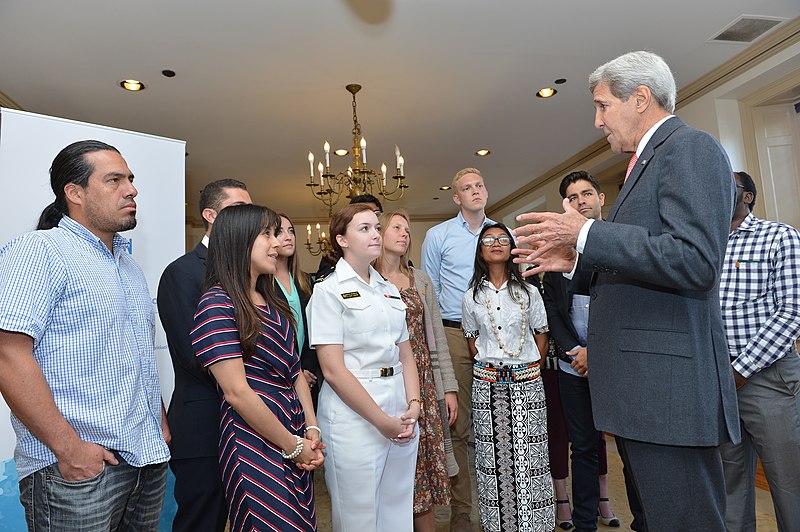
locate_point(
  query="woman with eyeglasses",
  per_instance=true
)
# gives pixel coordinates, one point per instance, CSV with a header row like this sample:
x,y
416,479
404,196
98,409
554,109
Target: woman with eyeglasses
x,y
437,381
505,325
369,403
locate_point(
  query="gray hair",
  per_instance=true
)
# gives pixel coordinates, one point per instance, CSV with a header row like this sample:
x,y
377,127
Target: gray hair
x,y
626,72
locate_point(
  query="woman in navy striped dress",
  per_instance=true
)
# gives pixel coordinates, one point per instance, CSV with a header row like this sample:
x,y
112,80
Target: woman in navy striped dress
x,y
245,337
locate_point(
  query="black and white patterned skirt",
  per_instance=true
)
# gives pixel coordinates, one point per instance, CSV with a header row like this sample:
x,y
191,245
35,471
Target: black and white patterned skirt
x,y
515,491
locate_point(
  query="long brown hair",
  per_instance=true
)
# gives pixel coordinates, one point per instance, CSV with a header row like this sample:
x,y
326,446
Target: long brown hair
x,y
481,269
294,265
385,220
228,265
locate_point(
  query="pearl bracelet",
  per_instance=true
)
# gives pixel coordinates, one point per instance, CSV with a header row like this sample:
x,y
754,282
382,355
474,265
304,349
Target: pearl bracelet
x,y
315,428
297,450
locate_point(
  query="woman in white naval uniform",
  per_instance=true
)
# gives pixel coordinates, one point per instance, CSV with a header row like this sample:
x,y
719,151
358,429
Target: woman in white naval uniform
x,y
369,403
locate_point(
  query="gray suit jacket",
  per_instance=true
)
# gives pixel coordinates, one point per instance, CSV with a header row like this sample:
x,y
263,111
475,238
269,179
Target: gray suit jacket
x,y
658,364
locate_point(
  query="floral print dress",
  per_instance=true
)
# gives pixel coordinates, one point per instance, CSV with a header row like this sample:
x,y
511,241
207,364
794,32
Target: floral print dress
x,y
431,484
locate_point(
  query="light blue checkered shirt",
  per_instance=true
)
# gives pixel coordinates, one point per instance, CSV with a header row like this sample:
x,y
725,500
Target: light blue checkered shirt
x,y
91,318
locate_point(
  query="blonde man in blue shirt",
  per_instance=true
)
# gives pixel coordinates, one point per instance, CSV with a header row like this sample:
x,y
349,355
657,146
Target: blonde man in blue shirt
x,y
448,255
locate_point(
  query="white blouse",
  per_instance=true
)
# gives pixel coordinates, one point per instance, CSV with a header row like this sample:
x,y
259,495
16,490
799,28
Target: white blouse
x,y
496,319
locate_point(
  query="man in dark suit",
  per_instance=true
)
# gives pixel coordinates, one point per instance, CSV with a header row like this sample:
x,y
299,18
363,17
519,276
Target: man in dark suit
x,y
659,371
567,305
194,410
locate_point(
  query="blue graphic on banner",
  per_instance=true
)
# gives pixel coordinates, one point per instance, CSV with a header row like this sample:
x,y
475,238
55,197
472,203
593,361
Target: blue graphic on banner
x,y
12,516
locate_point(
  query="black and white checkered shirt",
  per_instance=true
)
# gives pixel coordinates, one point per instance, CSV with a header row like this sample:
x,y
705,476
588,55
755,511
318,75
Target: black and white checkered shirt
x,y
760,294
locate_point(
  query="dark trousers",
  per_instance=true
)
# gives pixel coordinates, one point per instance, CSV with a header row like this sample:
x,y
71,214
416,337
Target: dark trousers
x,y
638,524
199,494
584,436
557,437
680,488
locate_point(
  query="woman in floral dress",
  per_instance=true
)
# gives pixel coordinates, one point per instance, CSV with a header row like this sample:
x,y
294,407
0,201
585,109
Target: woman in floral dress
x,y
438,387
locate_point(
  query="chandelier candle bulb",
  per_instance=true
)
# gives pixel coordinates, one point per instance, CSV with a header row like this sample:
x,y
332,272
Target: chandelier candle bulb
x,y
327,149
318,237
400,163
321,177
311,165
308,238
364,150
383,171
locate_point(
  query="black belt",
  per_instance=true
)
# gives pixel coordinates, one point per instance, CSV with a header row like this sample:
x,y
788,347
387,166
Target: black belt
x,y
452,324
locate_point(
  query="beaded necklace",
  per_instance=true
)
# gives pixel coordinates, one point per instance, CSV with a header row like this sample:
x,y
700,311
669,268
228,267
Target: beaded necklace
x,y
488,306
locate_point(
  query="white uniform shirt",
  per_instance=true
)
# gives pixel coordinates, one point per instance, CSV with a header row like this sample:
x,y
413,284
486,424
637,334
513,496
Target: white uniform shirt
x,y
507,315
368,320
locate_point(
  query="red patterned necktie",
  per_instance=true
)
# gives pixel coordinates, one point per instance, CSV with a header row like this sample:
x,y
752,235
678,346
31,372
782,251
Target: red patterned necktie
x,y
631,164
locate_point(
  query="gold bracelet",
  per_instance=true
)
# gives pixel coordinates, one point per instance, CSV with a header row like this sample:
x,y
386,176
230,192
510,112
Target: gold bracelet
x,y
415,400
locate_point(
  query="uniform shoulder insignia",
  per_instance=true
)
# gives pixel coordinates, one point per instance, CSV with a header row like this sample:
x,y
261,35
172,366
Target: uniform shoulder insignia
x,y
322,276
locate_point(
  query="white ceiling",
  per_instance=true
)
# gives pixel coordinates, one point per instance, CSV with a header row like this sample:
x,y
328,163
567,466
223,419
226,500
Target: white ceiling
x,y
260,83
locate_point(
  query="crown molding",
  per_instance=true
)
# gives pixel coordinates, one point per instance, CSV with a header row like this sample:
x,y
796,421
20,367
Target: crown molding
x,y
7,102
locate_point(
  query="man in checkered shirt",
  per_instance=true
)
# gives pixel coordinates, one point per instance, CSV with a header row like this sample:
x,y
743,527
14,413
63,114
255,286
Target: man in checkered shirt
x,y
760,298
77,363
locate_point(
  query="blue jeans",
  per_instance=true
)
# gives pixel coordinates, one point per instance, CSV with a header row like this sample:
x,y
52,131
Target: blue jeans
x,y
120,498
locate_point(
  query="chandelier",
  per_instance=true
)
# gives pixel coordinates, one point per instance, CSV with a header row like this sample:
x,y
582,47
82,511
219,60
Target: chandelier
x,y
322,244
358,179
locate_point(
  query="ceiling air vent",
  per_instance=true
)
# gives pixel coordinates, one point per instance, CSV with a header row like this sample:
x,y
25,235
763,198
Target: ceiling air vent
x,y
747,29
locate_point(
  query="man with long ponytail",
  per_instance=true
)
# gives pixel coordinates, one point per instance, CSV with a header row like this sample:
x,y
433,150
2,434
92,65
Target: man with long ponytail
x,y
77,363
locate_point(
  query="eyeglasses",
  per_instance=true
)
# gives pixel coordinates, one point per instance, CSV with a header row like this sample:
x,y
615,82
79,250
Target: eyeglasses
x,y
489,240
739,186
378,213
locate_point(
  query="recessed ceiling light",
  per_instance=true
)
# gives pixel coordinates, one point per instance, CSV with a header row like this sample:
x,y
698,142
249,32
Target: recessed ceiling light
x,y
546,92
341,152
435,198
559,81
133,85
482,152
446,187
167,73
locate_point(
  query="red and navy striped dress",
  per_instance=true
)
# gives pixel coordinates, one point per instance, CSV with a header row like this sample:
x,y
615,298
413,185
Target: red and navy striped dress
x,y
264,491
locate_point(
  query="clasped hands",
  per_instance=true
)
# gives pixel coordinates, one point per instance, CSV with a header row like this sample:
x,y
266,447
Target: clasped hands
x,y
311,456
552,238
401,429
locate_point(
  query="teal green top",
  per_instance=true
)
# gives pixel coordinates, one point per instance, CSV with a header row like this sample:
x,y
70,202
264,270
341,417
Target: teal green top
x,y
297,312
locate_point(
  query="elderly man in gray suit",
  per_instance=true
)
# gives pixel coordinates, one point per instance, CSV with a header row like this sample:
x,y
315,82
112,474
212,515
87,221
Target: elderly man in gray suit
x,y
660,376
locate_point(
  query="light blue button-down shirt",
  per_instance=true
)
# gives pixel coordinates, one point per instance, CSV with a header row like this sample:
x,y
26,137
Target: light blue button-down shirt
x,y
448,257
90,315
